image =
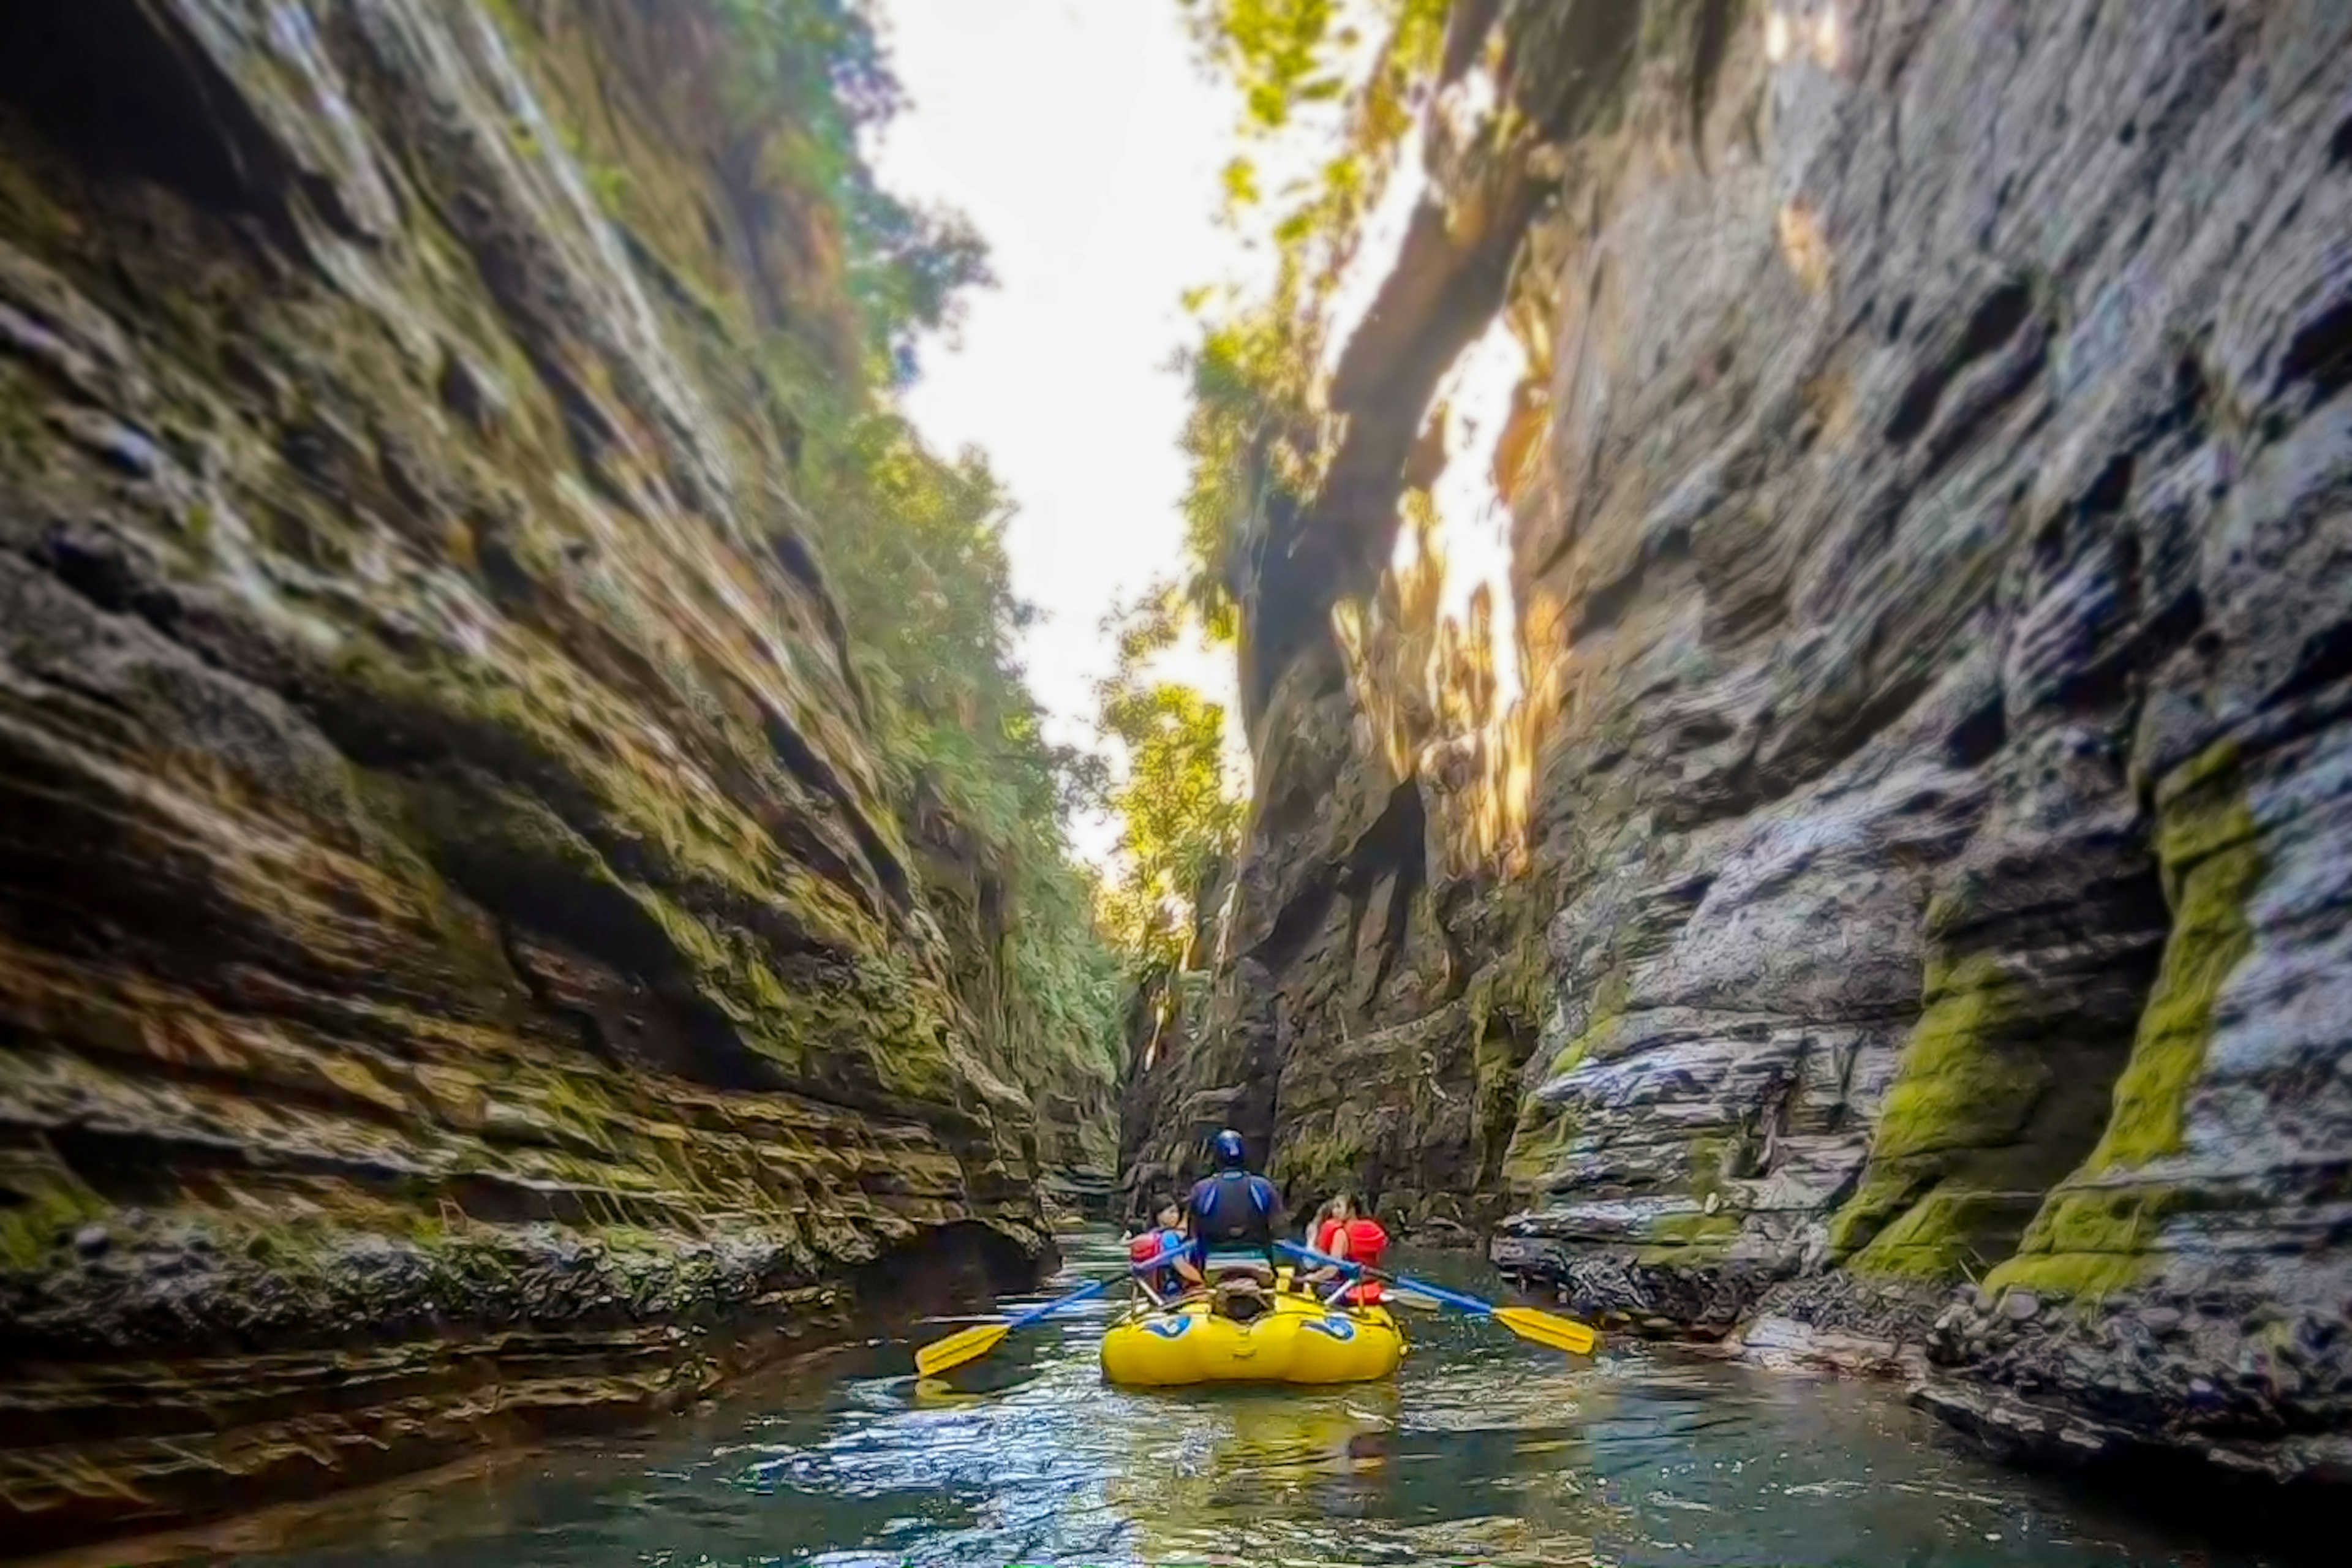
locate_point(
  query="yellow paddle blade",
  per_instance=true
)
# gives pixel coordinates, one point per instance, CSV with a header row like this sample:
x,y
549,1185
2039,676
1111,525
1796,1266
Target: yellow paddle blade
x,y
1547,1329
963,1345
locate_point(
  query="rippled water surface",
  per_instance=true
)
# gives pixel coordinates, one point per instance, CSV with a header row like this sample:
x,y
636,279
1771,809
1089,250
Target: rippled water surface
x,y
1482,1450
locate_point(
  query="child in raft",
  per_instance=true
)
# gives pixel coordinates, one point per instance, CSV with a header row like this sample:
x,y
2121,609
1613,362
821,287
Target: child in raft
x,y
1165,1235
1344,1231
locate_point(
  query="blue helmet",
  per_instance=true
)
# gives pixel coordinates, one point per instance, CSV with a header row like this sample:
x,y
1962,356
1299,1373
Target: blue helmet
x,y
1227,1147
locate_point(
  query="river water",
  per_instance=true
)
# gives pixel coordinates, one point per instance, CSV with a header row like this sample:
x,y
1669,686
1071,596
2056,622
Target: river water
x,y
1483,1450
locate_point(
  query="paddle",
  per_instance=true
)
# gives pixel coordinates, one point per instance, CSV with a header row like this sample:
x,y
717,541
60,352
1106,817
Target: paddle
x,y
1530,1323
972,1343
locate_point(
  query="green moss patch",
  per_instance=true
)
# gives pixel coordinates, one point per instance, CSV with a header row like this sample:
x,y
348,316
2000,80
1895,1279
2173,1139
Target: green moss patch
x,y
49,1206
1537,1145
2212,863
1320,1162
1962,1083
1688,1240
2088,1243
1969,1079
2090,1240
1938,1235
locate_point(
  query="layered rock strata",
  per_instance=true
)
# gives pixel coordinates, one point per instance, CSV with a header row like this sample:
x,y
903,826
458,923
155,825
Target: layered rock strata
x,y
458,971
1929,534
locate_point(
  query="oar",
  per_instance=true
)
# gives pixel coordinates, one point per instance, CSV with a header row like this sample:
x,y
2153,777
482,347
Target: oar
x,y
1548,1328
972,1343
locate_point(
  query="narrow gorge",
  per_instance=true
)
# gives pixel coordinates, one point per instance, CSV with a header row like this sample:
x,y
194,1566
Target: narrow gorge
x,y
1900,918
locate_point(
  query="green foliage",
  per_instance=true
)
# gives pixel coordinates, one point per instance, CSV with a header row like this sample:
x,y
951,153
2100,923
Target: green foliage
x,y
914,545
813,79
1285,55
914,542
1248,438
1278,52
1254,436
1181,823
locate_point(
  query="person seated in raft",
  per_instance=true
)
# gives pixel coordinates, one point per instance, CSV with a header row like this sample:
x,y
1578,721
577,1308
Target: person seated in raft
x,y
1323,1232
1344,1231
1367,1243
1166,1234
1232,1214
1328,1233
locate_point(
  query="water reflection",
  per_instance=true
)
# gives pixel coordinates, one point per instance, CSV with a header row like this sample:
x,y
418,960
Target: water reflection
x,y
1481,1451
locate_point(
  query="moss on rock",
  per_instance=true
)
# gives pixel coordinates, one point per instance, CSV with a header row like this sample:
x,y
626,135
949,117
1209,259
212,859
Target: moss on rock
x,y
1962,1082
2100,1231
1939,1235
2089,1241
2213,861
1969,1079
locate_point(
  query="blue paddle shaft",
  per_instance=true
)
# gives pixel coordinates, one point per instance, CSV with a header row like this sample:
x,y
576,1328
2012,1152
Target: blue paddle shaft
x,y
1418,1286
1023,1319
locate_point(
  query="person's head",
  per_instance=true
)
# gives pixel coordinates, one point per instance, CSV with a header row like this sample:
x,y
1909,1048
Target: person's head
x,y
1169,1214
1343,1206
1228,1149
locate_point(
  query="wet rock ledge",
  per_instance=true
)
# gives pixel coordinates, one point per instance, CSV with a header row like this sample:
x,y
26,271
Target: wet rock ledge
x,y
457,971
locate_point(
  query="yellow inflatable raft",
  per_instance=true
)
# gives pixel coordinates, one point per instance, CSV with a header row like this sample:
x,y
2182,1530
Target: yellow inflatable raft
x,y
1298,1340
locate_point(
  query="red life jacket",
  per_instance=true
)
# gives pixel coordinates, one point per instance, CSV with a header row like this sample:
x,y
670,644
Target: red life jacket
x,y
1153,1244
1366,1242
1324,1234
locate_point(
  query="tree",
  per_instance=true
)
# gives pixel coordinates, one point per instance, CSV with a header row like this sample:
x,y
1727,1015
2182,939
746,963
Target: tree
x,y
1332,82
912,542
1181,823
814,79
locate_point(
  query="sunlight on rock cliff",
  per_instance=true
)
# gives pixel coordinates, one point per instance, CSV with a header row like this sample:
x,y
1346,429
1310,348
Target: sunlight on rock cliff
x,y
1436,658
1377,246
1818,33
1804,247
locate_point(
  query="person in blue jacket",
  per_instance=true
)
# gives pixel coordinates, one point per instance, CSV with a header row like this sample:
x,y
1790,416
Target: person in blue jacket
x,y
1232,1214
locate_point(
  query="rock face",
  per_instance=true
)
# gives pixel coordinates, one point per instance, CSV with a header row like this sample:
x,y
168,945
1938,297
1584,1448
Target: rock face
x,y
1931,517
453,956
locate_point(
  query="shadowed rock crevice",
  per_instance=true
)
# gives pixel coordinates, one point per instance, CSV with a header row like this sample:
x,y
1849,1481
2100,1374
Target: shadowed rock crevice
x,y
130,99
1989,326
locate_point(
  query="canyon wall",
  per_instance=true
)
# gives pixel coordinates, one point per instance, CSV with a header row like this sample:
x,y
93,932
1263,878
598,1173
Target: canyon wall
x,y
458,972
1909,900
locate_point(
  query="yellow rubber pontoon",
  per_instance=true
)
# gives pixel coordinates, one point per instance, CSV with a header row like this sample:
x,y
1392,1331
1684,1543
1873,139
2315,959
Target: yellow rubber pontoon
x,y
1298,1339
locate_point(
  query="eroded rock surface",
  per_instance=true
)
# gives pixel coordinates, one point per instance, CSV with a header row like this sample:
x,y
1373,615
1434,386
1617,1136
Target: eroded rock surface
x,y
1931,570
457,969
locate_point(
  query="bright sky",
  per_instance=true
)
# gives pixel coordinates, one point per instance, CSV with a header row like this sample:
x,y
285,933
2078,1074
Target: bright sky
x,y
1085,142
